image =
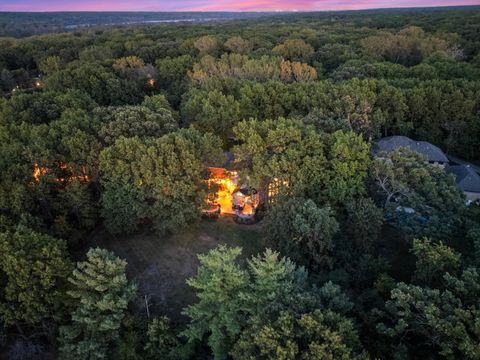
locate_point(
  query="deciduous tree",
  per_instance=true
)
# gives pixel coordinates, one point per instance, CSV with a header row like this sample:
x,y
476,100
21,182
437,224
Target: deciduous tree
x,y
35,267
156,181
433,261
294,49
237,44
364,222
426,322
302,231
406,181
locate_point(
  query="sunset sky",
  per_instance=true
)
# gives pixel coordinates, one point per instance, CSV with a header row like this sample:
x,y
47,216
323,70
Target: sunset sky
x,y
217,5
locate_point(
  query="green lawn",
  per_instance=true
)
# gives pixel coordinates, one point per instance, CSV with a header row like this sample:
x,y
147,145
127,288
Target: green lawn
x,y
160,265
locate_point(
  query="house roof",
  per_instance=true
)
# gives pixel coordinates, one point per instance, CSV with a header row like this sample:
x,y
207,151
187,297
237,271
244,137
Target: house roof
x,y
230,159
219,173
431,152
466,178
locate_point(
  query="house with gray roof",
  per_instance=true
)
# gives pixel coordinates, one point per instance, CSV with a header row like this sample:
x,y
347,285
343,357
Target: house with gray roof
x,y
433,153
467,180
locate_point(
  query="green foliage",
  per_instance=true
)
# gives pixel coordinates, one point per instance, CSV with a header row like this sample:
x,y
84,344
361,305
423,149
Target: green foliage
x,y
50,65
157,103
172,76
405,180
75,203
317,335
217,314
330,168
214,113
101,293
473,236
364,222
131,121
42,107
127,347
282,149
231,297
161,341
424,321
276,284
301,230
408,47
299,99
157,180
433,261
99,82
35,267
349,160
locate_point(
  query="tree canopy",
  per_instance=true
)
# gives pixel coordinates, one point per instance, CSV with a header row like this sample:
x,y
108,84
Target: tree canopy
x,y
131,134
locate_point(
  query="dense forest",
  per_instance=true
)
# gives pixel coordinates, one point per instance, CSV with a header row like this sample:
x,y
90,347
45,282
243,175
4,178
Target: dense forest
x,y
113,128
21,24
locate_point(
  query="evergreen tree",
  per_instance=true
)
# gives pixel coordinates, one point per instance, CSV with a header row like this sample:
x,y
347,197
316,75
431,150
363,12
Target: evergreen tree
x,y
232,298
217,314
161,340
102,293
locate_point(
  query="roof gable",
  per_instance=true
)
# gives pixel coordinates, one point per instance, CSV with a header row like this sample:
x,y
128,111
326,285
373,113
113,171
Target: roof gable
x,y
431,152
466,178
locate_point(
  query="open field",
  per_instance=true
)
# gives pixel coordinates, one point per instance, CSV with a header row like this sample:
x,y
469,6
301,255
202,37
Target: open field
x,y
160,265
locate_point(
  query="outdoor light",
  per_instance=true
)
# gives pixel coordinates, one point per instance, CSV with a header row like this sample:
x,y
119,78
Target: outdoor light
x,y
151,82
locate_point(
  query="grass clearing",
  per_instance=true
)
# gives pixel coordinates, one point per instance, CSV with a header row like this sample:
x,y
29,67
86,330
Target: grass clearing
x,y
160,265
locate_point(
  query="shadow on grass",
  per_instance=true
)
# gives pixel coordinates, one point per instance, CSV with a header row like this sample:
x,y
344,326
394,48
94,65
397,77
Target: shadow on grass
x,y
160,265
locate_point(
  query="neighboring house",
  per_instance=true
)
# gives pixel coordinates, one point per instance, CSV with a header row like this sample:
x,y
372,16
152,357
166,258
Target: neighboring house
x,y
467,180
433,153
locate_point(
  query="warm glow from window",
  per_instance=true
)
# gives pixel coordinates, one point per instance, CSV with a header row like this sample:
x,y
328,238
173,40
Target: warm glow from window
x,y
40,171
229,198
151,82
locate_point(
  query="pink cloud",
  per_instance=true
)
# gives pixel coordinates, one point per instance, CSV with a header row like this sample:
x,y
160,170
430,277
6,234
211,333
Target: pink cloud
x,y
218,5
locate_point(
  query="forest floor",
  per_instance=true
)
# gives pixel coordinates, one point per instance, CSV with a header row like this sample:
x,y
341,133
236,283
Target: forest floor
x,y
397,251
160,265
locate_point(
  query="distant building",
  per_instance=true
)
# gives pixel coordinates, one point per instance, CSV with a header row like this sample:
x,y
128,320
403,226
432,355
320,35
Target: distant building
x,y
433,153
467,180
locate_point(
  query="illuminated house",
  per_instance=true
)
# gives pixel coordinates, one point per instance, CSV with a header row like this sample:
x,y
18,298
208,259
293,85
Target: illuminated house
x,y
229,197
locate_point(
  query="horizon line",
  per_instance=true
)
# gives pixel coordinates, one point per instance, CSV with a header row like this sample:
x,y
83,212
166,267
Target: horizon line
x,y
241,11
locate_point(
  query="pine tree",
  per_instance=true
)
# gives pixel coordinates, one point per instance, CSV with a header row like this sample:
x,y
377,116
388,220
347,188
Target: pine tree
x,y
102,292
161,340
218,284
